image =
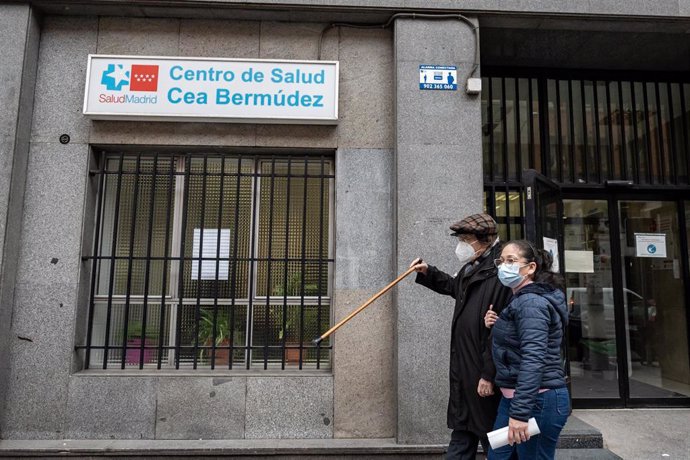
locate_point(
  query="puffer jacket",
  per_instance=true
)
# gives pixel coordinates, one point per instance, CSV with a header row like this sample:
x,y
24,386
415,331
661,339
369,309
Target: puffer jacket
x,y
527,345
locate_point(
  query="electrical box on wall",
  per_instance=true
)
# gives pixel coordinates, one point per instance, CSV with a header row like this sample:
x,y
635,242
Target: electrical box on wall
x,y
474,86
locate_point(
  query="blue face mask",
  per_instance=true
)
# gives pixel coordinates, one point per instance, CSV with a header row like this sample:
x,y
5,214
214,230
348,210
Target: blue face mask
x,y
509,275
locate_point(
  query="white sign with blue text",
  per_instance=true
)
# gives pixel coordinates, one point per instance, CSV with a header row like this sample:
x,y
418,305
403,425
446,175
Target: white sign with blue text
x,y
211,89
440,77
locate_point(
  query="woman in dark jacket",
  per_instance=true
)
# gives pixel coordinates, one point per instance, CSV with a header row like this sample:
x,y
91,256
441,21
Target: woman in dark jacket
x,y
527,338
473,402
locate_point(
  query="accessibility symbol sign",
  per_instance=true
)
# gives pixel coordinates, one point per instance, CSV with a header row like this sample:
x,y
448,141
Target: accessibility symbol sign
x,y
650,245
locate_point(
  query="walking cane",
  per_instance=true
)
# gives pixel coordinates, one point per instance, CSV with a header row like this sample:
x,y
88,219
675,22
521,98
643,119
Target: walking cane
x,y
318,340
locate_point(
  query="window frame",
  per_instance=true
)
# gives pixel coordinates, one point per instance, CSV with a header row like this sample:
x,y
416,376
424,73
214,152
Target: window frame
x,y
170,297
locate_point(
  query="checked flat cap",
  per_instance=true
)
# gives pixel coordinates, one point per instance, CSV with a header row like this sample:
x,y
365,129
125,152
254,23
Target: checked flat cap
x,y
476,224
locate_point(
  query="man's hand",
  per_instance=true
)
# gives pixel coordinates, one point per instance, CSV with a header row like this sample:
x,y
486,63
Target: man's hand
x,y
490,317
485,388
419,265
517,431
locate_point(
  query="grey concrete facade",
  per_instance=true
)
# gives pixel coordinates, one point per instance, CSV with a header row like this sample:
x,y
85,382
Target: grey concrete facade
x,y
20,36
52,283
408,163
364,395
338,9
439,180
49,262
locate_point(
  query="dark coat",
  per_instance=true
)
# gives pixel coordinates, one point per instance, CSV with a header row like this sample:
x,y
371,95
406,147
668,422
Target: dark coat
x,y
470,345
527,345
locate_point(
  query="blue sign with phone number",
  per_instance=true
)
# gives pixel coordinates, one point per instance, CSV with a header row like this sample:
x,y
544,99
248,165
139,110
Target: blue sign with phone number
x,y
438,77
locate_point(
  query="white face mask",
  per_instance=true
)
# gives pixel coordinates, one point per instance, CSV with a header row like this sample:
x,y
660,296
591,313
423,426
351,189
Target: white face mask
x,y
465,252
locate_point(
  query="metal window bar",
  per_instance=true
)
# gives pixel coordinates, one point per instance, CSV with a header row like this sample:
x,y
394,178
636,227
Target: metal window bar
x,y
498,198
219,223
498,127
664,176
320,279
648,137
233,281
632,150
530,154
202,234
176,260
610,172
504,122
490,129
518,137
660,137
268,269
510,142
303,266
585,138
542,135
677,131
506,197
633,111
672,177
597,133
285,271
147,269
682,163
97,251
615,120
624,140
112,264
571,129
129,261
252,275
559,133
166,262
180,264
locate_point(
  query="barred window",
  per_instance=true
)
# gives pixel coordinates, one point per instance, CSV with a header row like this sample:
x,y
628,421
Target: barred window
x,y
580,129
584,128
211,261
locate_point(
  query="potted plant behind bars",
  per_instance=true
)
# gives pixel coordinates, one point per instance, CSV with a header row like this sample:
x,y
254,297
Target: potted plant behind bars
x,y
134,341
288,332
222,336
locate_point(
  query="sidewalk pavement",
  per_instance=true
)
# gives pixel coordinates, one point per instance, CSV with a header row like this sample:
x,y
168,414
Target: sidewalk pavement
x,y
642,434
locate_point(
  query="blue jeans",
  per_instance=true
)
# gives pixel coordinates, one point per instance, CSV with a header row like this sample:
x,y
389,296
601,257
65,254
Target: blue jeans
x,y
551,411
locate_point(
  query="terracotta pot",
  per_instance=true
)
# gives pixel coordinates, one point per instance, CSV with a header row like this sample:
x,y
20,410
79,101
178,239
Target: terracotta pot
x,y
292,354
222,356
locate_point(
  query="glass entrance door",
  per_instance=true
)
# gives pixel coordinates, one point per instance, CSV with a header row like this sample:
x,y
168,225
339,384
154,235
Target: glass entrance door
x,y
653,297
626,293
589,283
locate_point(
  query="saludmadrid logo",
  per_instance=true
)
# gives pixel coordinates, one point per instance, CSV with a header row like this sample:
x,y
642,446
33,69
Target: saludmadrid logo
x,y
138,77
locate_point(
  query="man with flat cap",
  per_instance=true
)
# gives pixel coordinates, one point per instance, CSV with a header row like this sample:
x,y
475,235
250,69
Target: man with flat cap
x,y
473,401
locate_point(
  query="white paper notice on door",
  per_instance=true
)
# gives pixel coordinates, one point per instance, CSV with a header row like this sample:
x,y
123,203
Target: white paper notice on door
x,y
551,246
213,247
650,245
579,261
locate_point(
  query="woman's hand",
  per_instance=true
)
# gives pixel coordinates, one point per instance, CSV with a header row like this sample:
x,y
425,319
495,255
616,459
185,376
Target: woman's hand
x,y
490,317
419,265
517,431
485,388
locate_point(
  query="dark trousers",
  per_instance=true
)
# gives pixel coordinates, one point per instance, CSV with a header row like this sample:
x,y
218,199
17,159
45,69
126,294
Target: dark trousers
x,y
463,445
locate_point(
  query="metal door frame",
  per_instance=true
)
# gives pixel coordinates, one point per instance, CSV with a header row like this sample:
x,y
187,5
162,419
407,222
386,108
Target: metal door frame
x,y
612,198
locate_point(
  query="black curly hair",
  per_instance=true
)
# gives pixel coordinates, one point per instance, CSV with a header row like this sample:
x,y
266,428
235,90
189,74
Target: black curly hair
x,y
544,261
